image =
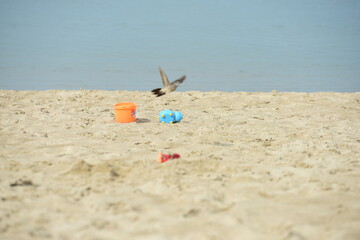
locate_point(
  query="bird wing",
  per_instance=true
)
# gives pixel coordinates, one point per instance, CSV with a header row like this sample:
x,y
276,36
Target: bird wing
x,y
177,82
164,78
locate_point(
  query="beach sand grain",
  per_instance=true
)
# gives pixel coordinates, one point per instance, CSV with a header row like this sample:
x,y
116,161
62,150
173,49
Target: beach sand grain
x,y
253,166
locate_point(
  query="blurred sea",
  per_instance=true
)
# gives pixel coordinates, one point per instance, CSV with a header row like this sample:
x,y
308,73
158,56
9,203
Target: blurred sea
x,y
233,45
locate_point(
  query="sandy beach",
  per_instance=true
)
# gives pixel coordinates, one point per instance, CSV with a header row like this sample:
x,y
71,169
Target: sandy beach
x,y
253,166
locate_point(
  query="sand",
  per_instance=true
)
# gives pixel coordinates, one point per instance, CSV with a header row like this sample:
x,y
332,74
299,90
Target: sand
x,y
253,166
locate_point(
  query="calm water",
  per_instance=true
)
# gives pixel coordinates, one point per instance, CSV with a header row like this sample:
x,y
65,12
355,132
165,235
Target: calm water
x,y
233,45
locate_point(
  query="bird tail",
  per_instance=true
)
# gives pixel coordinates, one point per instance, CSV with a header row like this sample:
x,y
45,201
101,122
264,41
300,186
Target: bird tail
x,y
158,92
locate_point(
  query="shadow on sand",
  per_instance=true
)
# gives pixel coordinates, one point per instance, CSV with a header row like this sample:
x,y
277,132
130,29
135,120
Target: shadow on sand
x,y
142,120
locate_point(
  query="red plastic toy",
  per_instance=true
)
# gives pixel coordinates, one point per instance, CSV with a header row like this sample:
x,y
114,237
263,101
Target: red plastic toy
x,y
165,157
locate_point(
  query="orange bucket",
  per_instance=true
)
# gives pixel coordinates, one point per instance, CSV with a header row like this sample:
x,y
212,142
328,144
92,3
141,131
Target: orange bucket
x,y
125,112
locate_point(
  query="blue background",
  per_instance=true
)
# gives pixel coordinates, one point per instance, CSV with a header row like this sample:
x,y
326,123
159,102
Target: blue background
x,y
233,45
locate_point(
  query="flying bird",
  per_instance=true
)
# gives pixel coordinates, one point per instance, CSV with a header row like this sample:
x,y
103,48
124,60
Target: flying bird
x,y
167,86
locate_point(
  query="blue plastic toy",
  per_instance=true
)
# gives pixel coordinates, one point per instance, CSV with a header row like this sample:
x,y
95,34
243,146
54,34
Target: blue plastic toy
x,y
169,116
